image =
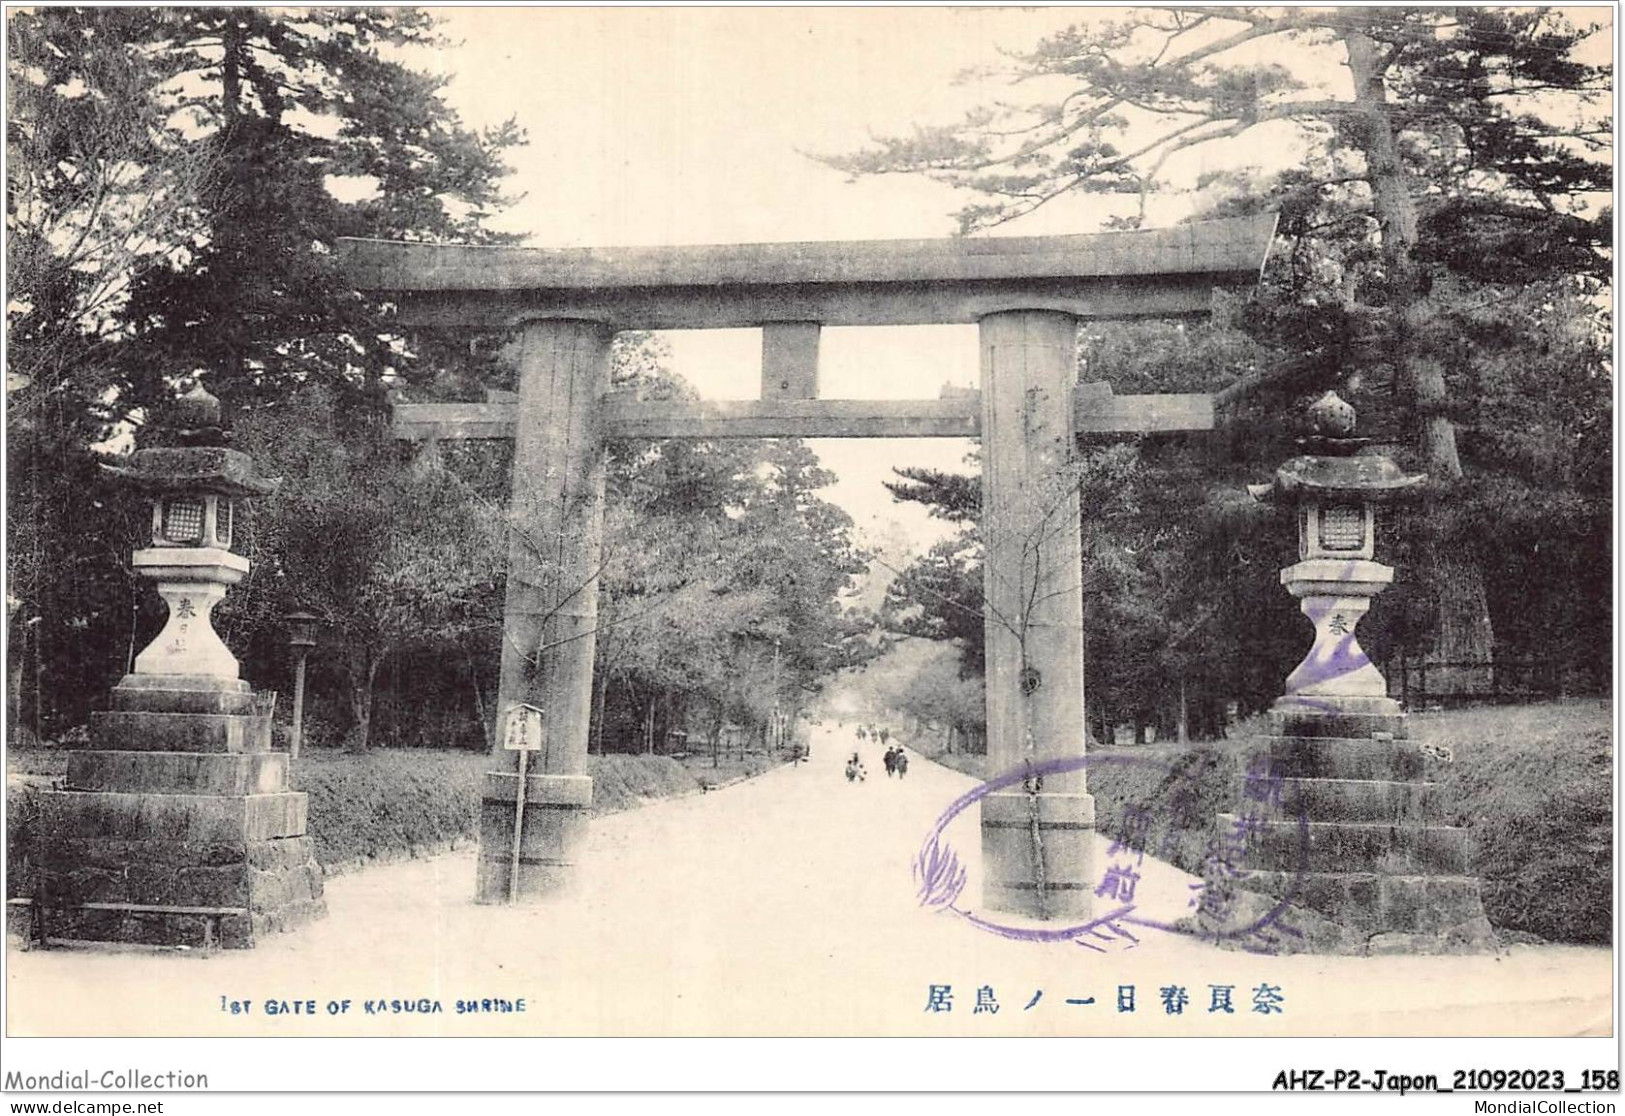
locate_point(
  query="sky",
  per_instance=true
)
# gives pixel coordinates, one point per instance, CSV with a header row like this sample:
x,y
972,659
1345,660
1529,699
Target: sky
x,y
656,126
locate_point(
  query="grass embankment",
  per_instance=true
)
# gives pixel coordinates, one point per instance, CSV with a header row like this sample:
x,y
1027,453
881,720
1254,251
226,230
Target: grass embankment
x,y
1532,784
392,805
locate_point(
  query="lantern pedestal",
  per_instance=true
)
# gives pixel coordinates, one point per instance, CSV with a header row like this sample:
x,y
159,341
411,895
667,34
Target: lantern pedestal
x,y
191,580
177,826
1358,844
1336,676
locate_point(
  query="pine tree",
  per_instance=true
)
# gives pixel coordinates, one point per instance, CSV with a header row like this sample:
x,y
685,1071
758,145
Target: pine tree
x,y
1459,144
300,108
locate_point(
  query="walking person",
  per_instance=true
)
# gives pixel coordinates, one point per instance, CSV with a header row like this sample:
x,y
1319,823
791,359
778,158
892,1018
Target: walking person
x,y
890,761
900,761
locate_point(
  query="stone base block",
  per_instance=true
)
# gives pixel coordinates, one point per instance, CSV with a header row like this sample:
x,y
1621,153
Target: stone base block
x,y
1297,718
20,931
1312,704
179,732
1359,800
1376,903
196,819
1361,921
1338,757
181,693
170,892
555,826
1377,847
1038,854
222,773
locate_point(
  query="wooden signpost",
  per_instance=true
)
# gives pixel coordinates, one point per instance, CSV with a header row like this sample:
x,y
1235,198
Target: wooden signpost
x,y
523,735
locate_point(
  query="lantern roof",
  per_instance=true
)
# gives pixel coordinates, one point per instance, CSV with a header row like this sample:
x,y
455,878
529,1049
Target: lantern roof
x,y
1338,465
200,460
217,469
1368,477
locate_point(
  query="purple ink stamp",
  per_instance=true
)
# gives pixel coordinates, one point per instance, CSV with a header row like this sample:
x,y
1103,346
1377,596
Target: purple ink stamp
x,y
1211,911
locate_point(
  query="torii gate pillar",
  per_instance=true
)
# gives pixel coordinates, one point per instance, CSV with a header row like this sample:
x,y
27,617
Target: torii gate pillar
x,y
556,519
1037,836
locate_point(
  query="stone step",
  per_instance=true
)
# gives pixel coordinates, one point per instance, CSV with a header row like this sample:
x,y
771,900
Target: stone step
x,y
179,772
142,924
1377,903
230,820
179,732
1341,757
111,854
1358,725
164,925
1372,847
290,916
156,884
178,699
1359,800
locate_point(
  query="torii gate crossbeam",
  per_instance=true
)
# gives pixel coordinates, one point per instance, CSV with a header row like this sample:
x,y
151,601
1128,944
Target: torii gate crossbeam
x,y
1026,295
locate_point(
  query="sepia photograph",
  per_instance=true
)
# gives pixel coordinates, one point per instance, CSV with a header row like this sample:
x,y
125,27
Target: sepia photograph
x,y
619,524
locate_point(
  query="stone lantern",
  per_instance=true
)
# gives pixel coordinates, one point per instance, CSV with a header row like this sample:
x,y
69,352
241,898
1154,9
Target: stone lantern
x,y
176,826
1335,814
193,488
1336,489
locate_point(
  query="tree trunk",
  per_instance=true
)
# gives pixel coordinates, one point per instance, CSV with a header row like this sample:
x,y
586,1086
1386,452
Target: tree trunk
x,y
596,745
487,729
1463,632
34,644
14,689
1460,654
231,74
361,702
14,669
1183,732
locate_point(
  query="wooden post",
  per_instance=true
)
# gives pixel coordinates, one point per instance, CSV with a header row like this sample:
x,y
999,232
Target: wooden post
x,y
790,360
517,854
1037,837
297,736
556,528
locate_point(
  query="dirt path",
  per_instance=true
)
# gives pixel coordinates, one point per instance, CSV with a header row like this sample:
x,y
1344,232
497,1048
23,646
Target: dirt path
x,y
779,906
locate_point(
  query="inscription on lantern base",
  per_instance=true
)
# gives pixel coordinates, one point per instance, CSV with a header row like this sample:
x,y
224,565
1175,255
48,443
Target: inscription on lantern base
x,y
1335,595
191,581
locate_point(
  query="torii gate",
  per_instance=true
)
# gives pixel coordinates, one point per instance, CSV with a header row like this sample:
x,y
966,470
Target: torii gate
x,y
1026,296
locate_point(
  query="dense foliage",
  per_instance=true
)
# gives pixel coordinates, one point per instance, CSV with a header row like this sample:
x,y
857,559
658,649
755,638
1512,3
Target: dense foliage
x,y
177,181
